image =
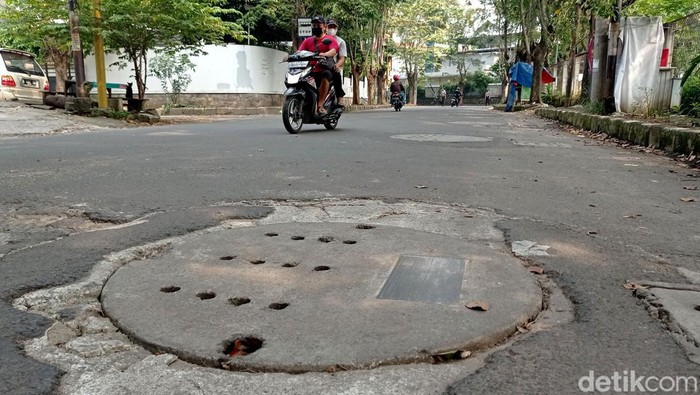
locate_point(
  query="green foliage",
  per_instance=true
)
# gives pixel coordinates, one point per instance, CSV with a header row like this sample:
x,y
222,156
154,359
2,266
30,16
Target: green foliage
x,y
595,107
691,69
173,71
552,98
668,10
110,113
478,82
690,97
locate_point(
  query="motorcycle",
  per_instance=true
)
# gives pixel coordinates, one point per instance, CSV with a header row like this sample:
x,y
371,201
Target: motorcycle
x,y
301,96
455,101
396,101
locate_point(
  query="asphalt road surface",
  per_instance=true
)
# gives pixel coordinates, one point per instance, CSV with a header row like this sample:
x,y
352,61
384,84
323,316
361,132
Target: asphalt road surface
x,y
609,214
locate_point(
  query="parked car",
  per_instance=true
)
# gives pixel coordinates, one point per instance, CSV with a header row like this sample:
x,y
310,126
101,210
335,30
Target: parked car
x,y
21,77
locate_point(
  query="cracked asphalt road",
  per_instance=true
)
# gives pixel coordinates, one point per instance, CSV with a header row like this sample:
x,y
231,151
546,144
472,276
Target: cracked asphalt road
x,y
608,214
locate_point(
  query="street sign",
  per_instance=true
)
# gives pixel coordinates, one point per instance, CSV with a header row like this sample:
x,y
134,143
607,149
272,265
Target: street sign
x,y
304,25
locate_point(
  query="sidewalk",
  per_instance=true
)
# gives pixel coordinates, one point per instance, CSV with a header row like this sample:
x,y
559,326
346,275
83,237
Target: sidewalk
x,y
18,118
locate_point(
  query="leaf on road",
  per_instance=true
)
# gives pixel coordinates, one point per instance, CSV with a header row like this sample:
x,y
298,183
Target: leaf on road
x,y
687,199
535,269
632,286
522,330
477,305
690,188
421,186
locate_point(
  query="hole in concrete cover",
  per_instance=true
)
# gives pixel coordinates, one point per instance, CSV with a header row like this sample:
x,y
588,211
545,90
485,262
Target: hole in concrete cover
x,y
238,301
321,268
257,261
290,264
206,295
271,234
349,242
326,239
697,308
241,346
278,306
170,289
365,226
228,258
297,237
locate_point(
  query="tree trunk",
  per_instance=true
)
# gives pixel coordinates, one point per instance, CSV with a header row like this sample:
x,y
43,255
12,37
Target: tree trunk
x,y
356,76
371,85
138,74
412,77
572,59
381,85
538,56
61,61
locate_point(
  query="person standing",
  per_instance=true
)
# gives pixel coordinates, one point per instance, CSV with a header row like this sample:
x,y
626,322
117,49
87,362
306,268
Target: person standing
x,y
315,43
487,98
339,59
443,96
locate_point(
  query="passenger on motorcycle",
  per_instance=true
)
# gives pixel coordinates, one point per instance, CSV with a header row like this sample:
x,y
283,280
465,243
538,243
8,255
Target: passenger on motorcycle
x,y
322,76
397,87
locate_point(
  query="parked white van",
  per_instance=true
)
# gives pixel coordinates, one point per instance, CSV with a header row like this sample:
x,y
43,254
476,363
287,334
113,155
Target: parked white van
x,y
21,76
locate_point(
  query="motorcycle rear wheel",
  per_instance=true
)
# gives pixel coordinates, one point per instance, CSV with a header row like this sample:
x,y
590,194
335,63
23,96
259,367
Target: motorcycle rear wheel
x,y
292,114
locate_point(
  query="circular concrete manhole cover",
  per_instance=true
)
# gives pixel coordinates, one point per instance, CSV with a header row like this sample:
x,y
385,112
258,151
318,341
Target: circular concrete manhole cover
x,y
300,297
442,138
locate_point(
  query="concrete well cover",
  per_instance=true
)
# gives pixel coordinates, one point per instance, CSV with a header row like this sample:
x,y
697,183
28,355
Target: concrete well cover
x,y
309,292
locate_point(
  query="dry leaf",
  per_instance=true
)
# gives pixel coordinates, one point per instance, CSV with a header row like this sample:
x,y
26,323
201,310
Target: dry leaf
x,y
690,188
535,269
477,305
421,186
632,286
687,199
522,330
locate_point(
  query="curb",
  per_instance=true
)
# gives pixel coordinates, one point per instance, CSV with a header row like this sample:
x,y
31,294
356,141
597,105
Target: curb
x,y
662,136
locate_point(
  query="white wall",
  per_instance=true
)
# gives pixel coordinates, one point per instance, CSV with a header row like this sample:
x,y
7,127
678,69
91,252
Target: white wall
x,y
225,69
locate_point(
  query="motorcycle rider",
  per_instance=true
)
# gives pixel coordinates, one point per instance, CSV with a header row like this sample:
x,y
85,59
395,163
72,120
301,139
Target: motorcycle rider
x,y
322,76
339,59
397,87
457,97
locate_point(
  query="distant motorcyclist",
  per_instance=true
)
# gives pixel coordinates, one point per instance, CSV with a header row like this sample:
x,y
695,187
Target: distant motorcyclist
x,y
457,97
397,87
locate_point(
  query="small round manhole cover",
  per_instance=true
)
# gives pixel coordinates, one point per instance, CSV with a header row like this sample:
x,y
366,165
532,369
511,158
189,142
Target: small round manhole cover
x,y
442,138
319,302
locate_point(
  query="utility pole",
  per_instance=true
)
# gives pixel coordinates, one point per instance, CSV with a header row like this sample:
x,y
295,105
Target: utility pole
x,y
77,49
99,55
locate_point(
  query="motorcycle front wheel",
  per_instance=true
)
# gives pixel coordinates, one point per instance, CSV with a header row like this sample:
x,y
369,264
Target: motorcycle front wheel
x,y
293,114
330,125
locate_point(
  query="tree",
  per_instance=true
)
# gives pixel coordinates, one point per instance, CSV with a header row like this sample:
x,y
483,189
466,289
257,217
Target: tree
x,y
418,26
173,72
42,25
132,28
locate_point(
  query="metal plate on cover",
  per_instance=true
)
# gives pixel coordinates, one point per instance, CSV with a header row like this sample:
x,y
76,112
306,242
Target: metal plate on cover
x,y
425,279
442,138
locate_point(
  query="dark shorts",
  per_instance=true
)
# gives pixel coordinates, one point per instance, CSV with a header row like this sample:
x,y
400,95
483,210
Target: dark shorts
x,y
318,75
